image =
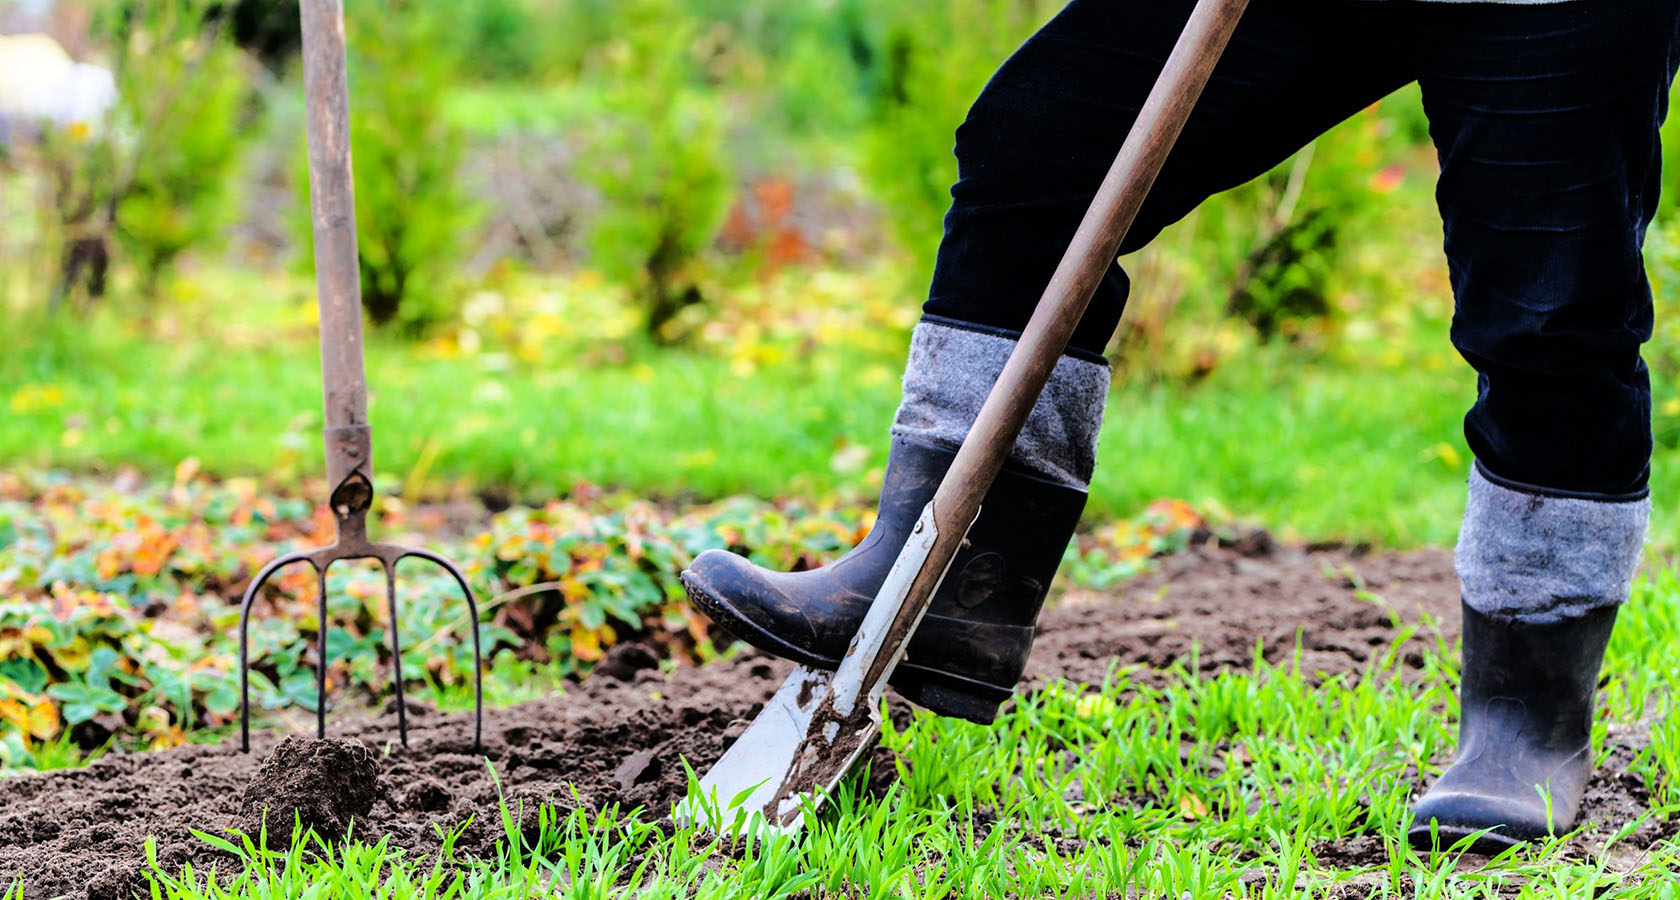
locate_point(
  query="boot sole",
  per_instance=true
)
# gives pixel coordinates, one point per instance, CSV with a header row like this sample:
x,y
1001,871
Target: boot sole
x,y
1492,843
942,693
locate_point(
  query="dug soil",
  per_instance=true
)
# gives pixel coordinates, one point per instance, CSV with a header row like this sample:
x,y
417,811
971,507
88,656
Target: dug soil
x,y
620,737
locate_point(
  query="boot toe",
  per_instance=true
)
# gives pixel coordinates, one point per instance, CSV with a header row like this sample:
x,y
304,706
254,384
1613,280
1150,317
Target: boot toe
x,y
1450,816
1484,794
746,600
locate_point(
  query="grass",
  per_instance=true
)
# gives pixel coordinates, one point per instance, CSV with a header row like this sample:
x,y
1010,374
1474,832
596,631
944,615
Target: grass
x,y
1323,447
1238,785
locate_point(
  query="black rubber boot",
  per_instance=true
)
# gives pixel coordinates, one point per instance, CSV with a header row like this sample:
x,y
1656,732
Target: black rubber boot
x,y
970,649
1525,726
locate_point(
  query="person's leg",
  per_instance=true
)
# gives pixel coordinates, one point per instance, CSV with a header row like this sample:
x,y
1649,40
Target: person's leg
x,y
1030,157
1037,143
1546,120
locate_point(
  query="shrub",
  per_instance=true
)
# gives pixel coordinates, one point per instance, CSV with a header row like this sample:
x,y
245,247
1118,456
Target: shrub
x,y
155,172
658,164
178,197
1270,256
412,216
922,82
1662,354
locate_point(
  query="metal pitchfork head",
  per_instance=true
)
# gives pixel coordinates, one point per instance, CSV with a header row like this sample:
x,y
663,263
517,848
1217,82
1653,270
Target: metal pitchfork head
x,y
349,441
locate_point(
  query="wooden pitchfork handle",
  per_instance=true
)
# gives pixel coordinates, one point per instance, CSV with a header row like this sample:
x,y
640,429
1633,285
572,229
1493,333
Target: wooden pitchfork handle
x,y
337,271
1092,251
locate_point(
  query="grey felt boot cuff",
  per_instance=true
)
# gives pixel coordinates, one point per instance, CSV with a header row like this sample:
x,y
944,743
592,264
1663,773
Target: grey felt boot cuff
x,y
1543,559
951,370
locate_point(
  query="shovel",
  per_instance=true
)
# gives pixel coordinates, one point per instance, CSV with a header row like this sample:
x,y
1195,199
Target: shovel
x,y
818,723
349,440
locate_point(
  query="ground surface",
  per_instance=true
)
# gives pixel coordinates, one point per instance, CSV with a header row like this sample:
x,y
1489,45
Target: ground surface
x,y
620,737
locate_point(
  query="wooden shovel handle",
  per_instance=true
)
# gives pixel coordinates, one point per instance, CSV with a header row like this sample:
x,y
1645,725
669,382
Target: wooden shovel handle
x,y
1088,257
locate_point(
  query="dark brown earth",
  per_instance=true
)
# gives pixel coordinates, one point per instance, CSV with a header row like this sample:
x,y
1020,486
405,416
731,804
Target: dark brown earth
x,y
620,737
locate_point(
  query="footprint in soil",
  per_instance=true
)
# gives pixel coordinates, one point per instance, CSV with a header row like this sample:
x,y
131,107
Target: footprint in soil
x,y
322,783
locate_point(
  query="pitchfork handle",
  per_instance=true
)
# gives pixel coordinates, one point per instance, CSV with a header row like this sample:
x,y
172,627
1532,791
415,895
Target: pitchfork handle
x,y
332,200
1093,250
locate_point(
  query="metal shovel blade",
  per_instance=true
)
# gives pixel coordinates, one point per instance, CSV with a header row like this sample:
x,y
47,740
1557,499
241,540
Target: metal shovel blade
x,y
818,723
783,765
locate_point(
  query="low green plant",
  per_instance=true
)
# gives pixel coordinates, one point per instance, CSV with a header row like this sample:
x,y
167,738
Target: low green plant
x,y
120,607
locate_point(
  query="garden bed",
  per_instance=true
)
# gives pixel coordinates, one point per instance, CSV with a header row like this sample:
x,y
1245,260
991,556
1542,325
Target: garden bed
x,y
621,737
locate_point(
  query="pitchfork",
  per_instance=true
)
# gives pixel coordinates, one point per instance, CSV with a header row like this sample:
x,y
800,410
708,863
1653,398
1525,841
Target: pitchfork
x,y
349,442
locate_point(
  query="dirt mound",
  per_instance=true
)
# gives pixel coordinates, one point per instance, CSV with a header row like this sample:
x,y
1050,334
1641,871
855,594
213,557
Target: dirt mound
x,y
620,737
323,784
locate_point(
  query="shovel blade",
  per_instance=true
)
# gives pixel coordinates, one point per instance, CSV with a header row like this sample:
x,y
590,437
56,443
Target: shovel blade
x,y
818,723
784,764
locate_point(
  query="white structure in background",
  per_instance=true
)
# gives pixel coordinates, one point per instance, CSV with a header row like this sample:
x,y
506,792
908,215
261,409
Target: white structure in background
x,y
39,82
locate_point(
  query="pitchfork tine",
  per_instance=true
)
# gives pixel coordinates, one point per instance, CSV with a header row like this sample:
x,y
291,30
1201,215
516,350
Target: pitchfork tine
x,y
396,648
274,565
321,653
478,653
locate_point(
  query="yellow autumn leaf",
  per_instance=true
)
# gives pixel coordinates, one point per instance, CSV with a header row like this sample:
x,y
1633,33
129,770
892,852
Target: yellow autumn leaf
x,y
32,397
1091,706
586,644
1446,453
73,655
43,719
572,589
1192,807
15,712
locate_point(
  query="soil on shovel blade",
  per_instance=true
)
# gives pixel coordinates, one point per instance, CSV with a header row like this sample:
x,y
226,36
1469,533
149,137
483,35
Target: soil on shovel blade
x,y
621,737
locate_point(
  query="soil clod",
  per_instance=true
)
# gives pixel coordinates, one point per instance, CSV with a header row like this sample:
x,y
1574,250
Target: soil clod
x,y
638,768
324,784
624,661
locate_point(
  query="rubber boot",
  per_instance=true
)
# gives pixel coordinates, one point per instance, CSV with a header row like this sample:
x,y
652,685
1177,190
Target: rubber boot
x,y
970,649
1525,729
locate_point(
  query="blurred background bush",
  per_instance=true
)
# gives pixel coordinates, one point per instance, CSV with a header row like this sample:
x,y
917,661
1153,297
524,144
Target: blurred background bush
x,y
675,246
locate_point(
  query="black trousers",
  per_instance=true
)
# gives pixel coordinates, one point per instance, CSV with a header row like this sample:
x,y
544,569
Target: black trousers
x,y
1545,118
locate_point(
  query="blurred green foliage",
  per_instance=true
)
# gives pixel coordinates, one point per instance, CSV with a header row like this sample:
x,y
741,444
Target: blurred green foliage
x,y
656,114
657,161
154,176
413,213
640,140
182,187
922,65
1662,354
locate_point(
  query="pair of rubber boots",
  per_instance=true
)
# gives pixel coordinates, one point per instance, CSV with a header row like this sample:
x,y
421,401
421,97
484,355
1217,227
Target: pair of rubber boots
x,y
1527,694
